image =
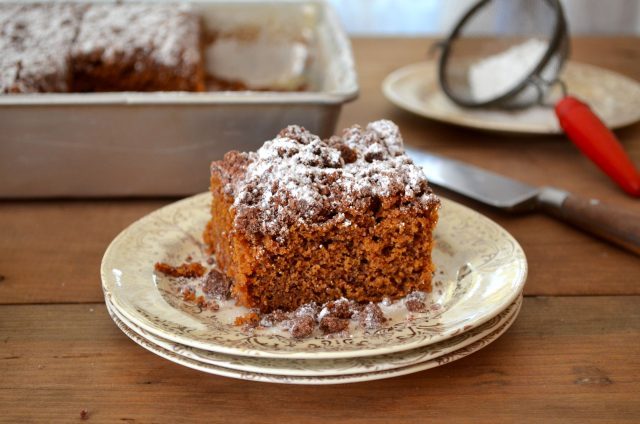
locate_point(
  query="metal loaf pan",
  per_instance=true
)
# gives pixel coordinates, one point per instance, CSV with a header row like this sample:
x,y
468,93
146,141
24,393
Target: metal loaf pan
x,y
161,144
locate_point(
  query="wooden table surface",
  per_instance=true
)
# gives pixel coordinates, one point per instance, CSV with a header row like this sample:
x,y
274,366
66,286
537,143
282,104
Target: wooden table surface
x,y
573,355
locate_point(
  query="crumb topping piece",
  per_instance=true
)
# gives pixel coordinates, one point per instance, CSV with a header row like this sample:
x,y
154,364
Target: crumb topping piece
x,y
186,270
341,308
302,326
372,317
416,302
217,285
331,325
297,178
250,320
274,318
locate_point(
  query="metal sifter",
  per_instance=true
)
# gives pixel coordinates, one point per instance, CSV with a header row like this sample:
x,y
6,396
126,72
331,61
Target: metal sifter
x,y
509,54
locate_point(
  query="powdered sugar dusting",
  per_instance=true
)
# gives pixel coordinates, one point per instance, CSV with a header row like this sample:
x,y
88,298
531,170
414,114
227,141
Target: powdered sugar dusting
x,y
34,43
167,33
38,41
297,178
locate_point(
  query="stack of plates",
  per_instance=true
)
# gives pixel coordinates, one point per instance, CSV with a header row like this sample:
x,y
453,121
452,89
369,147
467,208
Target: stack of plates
x,y
478,285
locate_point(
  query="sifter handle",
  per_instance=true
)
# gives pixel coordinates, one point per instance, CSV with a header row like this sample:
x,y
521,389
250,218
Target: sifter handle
x,y
598,143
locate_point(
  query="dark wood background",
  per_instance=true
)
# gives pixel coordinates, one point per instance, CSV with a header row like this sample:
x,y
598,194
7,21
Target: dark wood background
x,y
573,355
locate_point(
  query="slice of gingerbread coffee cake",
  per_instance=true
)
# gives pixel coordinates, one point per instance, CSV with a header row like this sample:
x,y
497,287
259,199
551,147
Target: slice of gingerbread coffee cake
x,y
309,220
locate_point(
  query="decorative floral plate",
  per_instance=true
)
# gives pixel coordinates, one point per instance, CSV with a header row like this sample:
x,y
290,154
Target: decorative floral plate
x,y
328,367
318,380
614,98
481,270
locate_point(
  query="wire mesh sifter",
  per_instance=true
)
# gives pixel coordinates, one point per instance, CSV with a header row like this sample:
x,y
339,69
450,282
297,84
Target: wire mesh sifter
x,y
509,54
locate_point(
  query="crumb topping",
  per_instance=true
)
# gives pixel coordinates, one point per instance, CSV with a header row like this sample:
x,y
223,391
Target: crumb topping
x,y
341,308
299,178
331,325
274,318
302,326
217,285
371,317
416,302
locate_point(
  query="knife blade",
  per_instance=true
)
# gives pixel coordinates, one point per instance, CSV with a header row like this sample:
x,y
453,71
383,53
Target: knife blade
x,y
481,185
611,223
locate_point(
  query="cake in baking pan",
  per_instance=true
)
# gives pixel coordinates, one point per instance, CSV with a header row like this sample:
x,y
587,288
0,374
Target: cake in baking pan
x,y
138,47
111,47
35,46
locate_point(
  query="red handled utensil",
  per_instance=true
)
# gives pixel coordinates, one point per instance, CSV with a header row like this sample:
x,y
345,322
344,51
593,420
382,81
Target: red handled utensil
x,y
598,143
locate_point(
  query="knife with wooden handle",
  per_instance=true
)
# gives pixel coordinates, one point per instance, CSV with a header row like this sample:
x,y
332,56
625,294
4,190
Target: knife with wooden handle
x,y
615,225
